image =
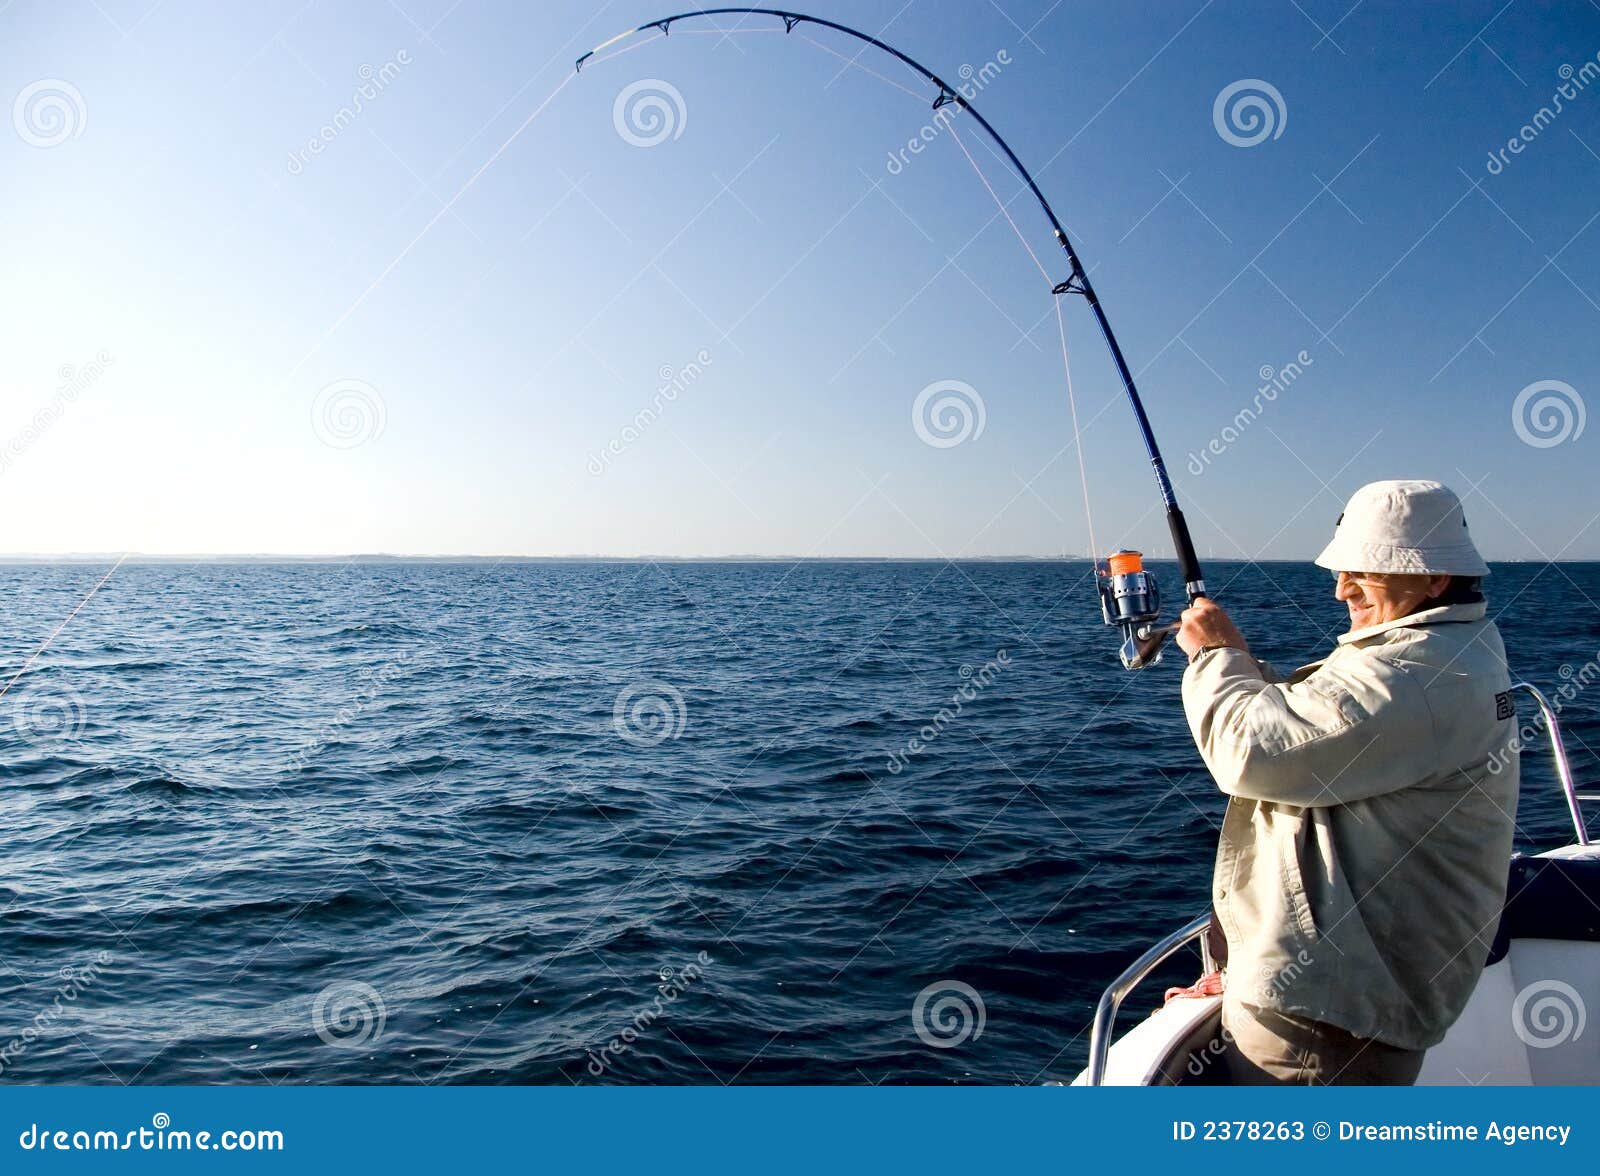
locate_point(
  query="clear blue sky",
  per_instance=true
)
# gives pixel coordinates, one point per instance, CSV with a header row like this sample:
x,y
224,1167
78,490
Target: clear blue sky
x,y
205,277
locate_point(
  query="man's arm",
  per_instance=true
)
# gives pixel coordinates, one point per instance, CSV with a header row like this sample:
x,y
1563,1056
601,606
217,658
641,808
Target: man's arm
x,y
1357,728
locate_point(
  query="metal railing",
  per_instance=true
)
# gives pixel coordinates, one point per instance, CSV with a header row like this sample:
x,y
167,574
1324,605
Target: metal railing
x,y
1558,749
1105,1013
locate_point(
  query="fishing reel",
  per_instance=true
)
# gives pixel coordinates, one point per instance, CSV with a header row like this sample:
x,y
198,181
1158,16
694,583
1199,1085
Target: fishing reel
x,y
1131,600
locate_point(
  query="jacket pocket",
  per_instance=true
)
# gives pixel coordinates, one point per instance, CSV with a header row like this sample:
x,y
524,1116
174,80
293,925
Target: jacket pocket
x,y
1296,904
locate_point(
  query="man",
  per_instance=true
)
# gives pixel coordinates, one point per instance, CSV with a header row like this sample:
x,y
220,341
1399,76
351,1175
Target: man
x,y
1363,859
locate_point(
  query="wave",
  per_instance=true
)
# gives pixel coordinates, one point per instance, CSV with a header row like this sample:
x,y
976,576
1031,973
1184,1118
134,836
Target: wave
x,y
253,813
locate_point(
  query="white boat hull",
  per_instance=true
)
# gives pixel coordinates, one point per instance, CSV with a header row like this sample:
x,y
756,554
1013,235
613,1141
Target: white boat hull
x,y
1525,1023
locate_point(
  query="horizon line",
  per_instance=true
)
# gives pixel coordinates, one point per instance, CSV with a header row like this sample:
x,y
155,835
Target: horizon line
x,y
745,557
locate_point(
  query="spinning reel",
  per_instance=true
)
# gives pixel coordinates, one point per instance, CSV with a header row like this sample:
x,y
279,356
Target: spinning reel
x,y
1131,600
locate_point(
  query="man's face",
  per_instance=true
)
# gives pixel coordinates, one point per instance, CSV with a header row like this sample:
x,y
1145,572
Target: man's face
x,y
1376,597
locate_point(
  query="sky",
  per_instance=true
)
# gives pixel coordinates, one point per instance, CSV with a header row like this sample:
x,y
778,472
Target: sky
x,y
329,278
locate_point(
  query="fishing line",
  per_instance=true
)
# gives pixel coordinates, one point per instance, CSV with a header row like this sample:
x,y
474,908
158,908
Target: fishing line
x,y
870,72
1066,362
6,689
1077,441
1129,596
714,31
1066,359
999,203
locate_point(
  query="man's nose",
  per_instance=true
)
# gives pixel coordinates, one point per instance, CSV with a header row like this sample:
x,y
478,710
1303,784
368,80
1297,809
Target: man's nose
x,y
1345,587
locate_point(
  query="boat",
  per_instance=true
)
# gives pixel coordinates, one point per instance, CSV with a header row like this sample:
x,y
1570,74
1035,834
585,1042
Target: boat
x,y
1523,1024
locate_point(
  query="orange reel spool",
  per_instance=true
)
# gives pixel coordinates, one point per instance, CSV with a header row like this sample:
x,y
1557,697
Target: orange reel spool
x,y
1125,563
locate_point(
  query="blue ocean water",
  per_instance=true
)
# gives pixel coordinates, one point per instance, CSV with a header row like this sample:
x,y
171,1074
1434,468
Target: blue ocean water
x,y
616,822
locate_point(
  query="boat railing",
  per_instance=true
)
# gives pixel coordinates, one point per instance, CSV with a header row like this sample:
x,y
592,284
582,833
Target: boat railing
x,y
1105,1013
1558,750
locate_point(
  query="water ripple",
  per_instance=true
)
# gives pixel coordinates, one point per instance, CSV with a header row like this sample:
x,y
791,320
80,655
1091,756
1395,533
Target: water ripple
x,y
408,792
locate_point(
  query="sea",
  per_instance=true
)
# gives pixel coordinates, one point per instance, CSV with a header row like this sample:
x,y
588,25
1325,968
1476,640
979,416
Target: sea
x,y
620,822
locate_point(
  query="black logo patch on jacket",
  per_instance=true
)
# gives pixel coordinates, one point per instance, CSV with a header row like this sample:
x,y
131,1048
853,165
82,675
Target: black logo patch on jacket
x,y
1503,706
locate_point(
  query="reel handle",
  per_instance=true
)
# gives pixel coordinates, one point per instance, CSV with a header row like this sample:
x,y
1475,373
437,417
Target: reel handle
x,y
1141,652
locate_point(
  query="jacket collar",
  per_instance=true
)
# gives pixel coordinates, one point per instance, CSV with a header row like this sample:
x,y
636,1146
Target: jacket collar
x,y
1445,614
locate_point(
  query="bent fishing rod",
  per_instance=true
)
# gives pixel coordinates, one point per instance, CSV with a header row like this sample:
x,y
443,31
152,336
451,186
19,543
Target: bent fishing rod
x,y
1129,596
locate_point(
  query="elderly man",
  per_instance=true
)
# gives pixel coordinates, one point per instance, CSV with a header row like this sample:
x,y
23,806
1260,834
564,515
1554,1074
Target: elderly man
x,y
1363,859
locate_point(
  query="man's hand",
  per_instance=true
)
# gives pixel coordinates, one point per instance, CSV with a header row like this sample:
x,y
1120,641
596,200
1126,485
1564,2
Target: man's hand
x,y
1204,625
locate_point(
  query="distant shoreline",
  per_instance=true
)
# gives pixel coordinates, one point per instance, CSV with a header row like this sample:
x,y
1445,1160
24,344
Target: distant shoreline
x,y
381,559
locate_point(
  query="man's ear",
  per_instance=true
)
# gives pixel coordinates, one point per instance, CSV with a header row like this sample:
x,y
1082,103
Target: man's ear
x,y
1437,585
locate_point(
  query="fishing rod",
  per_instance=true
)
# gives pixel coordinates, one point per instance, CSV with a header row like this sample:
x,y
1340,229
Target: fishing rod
x,y
1129,596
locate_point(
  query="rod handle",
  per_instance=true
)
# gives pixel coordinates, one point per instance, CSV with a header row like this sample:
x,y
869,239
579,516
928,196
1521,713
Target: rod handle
x,y
1194,581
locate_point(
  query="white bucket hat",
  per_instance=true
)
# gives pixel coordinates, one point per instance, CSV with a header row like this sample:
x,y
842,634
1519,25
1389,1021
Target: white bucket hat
x,y
1403,526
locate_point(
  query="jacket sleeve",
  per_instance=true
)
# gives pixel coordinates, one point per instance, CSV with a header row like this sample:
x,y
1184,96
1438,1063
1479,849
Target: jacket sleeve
x,y
1357,727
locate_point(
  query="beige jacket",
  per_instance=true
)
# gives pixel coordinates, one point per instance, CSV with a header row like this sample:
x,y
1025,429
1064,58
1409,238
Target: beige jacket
x,y
1363,859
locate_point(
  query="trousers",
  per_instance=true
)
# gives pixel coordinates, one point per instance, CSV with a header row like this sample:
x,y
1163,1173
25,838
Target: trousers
x,y
1267,1048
